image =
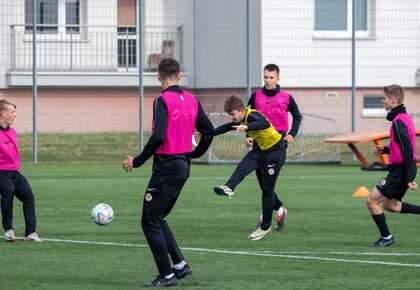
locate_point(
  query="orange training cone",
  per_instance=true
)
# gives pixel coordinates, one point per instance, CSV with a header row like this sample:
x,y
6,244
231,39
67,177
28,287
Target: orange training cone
x,y
361,192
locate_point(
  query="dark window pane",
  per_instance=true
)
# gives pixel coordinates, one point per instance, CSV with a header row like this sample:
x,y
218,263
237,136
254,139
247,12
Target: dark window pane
x,y
123,30
331,15
72,16
46,13
127,46
132,53
121,53
372,102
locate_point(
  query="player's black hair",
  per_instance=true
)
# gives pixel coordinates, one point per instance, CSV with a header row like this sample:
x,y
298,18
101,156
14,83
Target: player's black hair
x,y
272,67
168,68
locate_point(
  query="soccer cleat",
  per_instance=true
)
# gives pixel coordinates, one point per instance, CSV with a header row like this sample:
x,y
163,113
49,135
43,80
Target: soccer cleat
x,y
280,220
9,236
258,234
33,238
182,273
223,190
382,243
162,282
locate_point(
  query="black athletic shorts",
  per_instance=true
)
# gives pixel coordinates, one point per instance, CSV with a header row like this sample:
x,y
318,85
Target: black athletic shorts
x,y
394,186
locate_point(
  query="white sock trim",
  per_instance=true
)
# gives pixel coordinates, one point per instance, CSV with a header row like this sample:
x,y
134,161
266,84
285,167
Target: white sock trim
x,y
180,265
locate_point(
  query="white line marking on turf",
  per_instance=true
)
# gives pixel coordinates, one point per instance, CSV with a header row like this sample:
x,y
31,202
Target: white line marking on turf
x,y
290,255
300,257
346,253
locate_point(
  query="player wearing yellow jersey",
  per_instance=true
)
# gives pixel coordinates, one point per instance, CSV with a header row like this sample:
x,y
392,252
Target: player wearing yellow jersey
x,y
265,155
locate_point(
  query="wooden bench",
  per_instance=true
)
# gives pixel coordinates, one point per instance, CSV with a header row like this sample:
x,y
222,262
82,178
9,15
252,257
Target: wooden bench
x,y
362,137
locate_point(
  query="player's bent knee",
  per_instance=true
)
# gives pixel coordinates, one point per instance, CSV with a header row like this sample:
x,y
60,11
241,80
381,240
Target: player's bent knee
x,y
391,207
369,202
373,205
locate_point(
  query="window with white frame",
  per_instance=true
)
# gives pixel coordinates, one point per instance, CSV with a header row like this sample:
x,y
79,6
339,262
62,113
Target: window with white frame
x,y
53,16
333,18
127,47
372,106
46,15
72,16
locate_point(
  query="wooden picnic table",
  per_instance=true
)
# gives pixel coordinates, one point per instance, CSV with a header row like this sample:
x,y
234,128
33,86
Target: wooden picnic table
x,y
363,137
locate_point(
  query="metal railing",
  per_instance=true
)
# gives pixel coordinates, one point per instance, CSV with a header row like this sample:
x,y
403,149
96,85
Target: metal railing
x,y
92,48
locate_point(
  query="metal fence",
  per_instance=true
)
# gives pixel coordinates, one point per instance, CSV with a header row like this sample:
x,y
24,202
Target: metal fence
x,y
92,48
88,102
309,146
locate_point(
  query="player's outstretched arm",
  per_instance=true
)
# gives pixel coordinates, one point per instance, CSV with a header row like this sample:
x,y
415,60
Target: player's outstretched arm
x,y
205,130
224,128
240,128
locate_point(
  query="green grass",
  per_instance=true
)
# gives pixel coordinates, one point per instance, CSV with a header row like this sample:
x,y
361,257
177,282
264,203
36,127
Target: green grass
x,y
324,221
112,147
80,148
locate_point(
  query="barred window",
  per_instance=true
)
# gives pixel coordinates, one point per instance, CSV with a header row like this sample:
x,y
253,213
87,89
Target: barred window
x,y
47,15
72,16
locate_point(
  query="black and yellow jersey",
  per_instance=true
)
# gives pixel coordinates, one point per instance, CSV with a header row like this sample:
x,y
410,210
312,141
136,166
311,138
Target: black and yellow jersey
x,y
265,138
259,129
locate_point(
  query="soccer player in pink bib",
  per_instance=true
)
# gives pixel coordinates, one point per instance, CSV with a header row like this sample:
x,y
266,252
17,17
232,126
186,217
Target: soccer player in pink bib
x,y
12,182
402,166
276,104
176,114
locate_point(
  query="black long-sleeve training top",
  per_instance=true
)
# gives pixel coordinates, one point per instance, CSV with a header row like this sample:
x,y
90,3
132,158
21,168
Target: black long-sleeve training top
x,y
256,121
292,108
160,119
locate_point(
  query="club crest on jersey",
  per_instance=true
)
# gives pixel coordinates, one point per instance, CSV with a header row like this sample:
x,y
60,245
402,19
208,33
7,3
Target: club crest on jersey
x,y
175,114
148,196
383,182
271,171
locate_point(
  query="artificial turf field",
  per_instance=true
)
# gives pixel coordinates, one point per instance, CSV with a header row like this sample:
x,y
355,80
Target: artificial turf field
x,y
323,245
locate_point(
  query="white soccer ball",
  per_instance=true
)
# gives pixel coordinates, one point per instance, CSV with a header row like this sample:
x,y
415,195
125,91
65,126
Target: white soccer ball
x,y
102,214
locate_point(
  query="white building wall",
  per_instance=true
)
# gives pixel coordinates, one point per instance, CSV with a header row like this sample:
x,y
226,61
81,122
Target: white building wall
x,y
213,39
174,17
95,45
104,14
220,43
180,14
213,42
390,55
10,14
154,10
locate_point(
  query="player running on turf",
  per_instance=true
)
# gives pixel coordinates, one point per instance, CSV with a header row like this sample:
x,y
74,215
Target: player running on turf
x,y
402,166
